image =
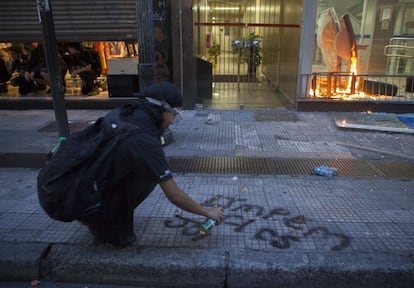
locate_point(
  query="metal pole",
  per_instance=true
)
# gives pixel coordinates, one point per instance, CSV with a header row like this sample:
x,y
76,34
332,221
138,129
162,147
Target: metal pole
x,y
180,8
44,10
145,43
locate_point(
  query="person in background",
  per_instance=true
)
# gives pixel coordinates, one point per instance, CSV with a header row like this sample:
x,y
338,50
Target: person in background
x,y
36,69
36,65
12,62
86,65
139,164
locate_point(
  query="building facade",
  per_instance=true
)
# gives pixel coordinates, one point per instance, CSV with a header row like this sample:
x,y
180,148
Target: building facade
x,y
331,53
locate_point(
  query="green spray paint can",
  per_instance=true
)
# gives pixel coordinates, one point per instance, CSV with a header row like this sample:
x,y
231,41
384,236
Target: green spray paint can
x,y
207,225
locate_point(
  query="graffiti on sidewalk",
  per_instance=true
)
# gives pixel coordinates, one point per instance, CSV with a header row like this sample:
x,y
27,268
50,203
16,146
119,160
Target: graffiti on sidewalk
x,y
298,223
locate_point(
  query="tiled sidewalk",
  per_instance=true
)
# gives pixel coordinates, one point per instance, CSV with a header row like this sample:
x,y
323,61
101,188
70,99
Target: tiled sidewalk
x,y
275,224
266,213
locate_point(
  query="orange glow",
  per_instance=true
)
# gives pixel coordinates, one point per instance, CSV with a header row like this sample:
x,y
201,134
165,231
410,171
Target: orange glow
x,y
353,71
339,86
314,92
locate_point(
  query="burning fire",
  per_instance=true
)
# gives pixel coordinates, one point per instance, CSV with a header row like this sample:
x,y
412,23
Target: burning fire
x,y
351,81
344,86
336,39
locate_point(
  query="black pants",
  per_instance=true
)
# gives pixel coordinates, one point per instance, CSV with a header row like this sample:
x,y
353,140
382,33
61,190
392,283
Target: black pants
x,y
116,224
88,79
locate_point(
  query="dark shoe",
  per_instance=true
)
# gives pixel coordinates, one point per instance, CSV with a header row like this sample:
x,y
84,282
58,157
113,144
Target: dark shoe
x,y
26,87
119,244
127,241
94,91
114,243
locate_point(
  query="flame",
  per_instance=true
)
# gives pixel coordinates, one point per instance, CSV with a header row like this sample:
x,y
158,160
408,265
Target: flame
x,y
347,88
313,93
353,71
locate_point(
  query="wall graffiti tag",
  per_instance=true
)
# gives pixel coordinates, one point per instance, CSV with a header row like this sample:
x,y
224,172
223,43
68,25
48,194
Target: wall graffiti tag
x,y
162,70
162,40
160,12
271,235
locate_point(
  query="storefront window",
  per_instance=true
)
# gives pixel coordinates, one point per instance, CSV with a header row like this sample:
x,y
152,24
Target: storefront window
x,y
363,50
116,58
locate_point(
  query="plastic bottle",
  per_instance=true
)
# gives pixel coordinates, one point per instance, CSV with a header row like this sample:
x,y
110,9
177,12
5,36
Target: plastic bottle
x,y
56,148
326,171
207,225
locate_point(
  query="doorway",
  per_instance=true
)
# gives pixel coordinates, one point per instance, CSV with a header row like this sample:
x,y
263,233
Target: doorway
x,y
243,42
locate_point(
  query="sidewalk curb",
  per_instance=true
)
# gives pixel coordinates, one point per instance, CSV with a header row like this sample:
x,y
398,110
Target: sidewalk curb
x,y
21,261
324,269
189,267
152,266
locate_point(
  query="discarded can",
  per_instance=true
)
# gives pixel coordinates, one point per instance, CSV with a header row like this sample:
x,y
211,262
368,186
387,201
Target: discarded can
x,y
326,171
207,225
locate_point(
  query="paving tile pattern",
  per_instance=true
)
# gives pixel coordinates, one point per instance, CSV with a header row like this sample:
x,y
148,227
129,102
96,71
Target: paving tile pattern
x,y
264,212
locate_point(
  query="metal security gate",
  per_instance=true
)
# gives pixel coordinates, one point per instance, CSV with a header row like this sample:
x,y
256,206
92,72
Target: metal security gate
x,y
242,41
75,20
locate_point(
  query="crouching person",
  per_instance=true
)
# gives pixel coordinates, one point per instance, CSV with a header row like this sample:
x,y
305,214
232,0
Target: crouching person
x,y
139,164
86,63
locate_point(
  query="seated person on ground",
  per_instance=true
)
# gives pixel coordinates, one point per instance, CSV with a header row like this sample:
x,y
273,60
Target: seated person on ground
x,y
36,70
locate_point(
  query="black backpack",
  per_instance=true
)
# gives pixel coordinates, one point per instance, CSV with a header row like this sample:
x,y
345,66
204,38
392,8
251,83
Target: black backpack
x,y
74,182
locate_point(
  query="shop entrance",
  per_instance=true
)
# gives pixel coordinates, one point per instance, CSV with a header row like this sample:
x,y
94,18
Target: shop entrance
x,y
241,43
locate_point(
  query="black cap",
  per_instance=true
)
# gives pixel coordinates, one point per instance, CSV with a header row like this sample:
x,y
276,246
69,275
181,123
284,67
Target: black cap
x,y
164,91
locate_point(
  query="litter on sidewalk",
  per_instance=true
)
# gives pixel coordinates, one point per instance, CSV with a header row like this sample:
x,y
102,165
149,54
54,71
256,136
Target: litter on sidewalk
x,y
326,171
